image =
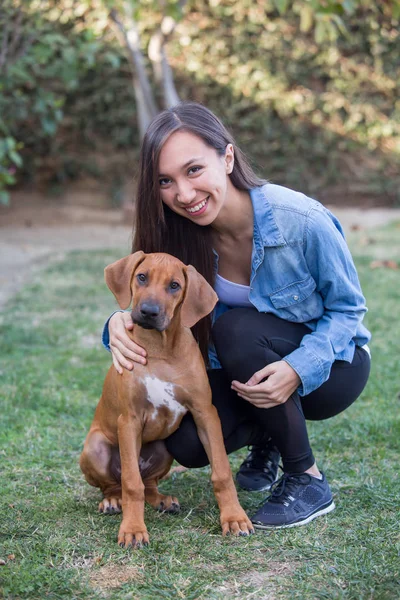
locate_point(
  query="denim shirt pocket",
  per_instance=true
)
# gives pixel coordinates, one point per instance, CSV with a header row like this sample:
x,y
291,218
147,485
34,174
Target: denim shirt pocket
x,y
298,301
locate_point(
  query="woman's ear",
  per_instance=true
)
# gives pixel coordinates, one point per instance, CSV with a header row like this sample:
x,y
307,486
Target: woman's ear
x,y
229,158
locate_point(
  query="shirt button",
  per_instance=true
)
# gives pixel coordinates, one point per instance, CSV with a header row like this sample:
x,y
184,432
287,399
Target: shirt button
x,y
295,297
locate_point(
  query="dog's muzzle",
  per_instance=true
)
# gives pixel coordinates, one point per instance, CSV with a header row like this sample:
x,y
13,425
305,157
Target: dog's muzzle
x,y
149,315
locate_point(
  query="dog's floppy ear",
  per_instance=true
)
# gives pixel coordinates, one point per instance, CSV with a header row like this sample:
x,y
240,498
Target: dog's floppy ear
x,y
199,300
118,277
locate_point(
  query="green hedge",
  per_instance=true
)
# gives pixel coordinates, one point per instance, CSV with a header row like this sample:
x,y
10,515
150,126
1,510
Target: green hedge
x,y
322,117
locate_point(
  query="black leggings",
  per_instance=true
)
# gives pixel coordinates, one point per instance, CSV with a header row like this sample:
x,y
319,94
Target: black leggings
x,y
246,341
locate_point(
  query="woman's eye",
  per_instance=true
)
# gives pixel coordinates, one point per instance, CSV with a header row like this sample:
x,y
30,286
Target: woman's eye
x,y
164,181
141,277
174,285
193,170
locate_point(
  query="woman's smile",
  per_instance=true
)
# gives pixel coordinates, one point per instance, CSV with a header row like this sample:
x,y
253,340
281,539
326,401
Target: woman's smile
x,y
199,208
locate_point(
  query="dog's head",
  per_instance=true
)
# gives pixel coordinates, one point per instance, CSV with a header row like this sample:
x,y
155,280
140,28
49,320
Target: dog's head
x,y
158,285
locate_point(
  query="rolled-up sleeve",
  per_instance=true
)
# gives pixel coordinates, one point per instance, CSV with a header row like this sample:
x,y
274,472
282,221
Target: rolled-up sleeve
x,y
105,335
332,268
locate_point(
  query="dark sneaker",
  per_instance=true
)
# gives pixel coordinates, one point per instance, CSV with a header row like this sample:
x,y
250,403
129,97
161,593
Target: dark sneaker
x,y
296,499
260,469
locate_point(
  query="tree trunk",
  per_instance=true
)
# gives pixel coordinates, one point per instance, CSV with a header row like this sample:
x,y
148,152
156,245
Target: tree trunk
x,y
161,67
146,106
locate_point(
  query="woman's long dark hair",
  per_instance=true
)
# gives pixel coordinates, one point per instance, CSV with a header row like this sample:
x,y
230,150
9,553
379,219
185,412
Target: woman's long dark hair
x,y
159,229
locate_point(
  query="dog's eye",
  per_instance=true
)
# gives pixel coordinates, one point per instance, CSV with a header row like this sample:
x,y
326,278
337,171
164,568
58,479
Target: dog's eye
x,y
174,285
141,278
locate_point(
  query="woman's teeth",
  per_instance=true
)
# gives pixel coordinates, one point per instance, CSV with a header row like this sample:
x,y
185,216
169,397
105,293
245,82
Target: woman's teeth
x,y
198,207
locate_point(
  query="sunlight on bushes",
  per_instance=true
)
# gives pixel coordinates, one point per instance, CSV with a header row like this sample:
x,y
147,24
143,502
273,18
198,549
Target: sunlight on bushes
x,y
302,91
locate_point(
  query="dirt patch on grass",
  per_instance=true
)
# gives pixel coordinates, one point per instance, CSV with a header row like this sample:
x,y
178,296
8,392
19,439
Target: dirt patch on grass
x,y
259,583
113,576
275,568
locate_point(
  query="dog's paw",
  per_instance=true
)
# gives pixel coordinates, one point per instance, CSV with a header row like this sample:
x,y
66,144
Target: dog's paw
x,y
133,539
110,506
168,504
236,524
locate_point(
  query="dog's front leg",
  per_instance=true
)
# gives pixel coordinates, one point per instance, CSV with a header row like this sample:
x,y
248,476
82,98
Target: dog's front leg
x,y
233,518
133,530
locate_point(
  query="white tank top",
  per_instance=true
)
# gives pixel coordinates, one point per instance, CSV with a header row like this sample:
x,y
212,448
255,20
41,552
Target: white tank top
x,y
232,294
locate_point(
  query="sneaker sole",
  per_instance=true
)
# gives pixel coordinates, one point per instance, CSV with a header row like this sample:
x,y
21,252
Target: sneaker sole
x,y
319,513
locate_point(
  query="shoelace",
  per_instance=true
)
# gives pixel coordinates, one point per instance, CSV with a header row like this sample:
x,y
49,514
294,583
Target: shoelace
x,y
257,458
282,490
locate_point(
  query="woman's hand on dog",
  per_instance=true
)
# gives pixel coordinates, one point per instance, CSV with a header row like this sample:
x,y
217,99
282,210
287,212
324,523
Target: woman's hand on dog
x,y
123,349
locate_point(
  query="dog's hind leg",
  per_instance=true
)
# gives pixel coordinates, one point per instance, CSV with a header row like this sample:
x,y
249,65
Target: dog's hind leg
x,y
155,462
100,463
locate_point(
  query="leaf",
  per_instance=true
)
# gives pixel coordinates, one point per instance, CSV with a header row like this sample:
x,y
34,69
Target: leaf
x,y
19,72
15,157
4,198
340,24
320,32
49,126
113,58
7,178
349,6
306,18
281,5
51,39
9,143
174,11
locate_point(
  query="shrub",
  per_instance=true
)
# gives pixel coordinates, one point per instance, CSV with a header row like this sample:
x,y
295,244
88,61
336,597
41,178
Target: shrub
x,y
56,95
319,116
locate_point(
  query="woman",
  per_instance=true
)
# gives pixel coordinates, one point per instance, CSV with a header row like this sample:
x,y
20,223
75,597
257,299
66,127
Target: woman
x,y
288,342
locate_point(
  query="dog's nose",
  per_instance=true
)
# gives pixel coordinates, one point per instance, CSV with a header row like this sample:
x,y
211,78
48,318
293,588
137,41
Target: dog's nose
x,y
149,309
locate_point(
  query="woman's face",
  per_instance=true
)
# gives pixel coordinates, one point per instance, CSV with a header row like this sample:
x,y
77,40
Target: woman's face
x,y
193,178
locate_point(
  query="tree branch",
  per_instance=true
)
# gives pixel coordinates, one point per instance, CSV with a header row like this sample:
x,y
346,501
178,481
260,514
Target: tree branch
x,y
17,32
13,45
4,47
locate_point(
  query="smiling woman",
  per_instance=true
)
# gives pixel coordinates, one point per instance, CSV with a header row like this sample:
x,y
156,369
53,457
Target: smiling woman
x,y
287,342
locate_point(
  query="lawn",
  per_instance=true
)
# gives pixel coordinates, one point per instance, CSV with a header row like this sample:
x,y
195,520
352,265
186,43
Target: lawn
x,y
54,544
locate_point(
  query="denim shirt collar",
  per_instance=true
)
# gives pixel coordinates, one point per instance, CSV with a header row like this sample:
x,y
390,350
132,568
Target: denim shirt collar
x,y
266,232
265,226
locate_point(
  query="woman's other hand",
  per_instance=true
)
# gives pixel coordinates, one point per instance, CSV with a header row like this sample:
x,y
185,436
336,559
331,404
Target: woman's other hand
x,y
280,383
123,349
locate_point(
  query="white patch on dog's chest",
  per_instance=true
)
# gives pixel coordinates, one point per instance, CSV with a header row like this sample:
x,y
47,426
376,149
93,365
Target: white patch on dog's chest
x,y
161,393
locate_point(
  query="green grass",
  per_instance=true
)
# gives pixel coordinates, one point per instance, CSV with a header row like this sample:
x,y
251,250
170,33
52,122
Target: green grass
x,y
55,544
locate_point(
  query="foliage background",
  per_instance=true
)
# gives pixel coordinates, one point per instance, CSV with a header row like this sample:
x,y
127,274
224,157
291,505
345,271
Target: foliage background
x,y
313,111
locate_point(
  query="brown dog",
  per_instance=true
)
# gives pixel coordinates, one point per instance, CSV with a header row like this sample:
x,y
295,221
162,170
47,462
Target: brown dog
x,y
124,454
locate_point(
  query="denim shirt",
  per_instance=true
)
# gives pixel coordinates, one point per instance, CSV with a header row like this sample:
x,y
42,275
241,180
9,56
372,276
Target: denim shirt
x,y
302,271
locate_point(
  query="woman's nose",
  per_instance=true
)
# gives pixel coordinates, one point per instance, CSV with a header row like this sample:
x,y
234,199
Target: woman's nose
x,y
186,193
